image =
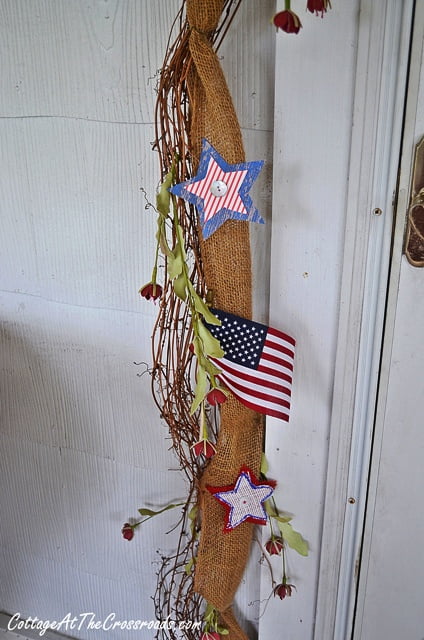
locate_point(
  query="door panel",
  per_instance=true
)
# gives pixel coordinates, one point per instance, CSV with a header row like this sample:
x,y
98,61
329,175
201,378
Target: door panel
x,y
389,602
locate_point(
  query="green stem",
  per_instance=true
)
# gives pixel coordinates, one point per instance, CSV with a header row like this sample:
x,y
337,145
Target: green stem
x,y
203,427
284,566
155,268
287,6
271,527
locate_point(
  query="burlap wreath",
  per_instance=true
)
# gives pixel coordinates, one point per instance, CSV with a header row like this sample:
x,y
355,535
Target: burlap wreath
x,y
227,266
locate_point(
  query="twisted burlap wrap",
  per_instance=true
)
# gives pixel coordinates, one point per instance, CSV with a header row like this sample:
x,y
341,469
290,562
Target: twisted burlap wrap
x,y
227,266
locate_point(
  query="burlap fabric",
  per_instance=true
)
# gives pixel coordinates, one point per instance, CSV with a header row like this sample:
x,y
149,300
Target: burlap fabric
x,y
227,266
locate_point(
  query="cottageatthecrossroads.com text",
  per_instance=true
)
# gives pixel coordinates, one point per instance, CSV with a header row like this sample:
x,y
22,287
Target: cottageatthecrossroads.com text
x,y
91,622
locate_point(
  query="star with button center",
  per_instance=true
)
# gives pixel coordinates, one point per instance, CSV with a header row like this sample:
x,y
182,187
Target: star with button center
x,y
244,500
220,191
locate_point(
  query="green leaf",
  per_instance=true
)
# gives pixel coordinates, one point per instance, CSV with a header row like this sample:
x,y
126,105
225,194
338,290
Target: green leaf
x,y
293,538
201,389
188,567
175,262
222,631
283,518
180,239
273,512
210,613
264,464
192,514
206,364
162,240
211,369
163,196
150,513
211,346
269,508
179,284
202,307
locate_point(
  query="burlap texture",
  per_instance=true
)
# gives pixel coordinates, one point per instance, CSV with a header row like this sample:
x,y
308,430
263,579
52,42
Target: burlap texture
x,y
227,266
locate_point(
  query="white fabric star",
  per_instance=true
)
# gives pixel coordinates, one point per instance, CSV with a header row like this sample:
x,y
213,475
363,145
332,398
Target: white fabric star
x,y
245,500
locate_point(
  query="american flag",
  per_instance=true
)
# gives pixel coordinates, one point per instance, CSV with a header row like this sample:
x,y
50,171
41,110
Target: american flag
x,y
258,363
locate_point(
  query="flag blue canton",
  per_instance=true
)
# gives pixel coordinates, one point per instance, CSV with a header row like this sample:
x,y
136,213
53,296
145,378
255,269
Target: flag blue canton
x,y
242,340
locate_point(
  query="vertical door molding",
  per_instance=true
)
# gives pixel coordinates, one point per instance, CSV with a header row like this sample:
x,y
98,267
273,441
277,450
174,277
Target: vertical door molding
x,y
405,175
382,59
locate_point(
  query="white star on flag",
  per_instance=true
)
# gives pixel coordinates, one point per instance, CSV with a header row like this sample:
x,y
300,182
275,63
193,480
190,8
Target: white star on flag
x,y
244,501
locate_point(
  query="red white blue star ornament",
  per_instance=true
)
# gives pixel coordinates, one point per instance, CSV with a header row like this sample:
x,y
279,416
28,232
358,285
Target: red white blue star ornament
x,y
244,500
220,191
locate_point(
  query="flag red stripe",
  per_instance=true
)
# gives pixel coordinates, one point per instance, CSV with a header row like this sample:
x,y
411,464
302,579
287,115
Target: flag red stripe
x,y
253,393
245,375
275,413
278,348
281,335
278,361
263,369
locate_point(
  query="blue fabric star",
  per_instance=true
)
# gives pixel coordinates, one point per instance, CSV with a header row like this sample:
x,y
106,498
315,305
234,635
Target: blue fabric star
x,y
244,501
220,191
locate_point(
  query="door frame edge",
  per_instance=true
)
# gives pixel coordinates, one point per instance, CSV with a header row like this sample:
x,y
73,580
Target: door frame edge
x,y
374,156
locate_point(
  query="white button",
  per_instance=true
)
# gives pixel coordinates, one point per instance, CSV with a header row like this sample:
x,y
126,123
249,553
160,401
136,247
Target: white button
x,y
218,188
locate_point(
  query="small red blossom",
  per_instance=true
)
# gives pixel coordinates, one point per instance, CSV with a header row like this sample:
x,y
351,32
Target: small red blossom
x,y
288,21
274,546
204,448
151,290
318,6
216,396
211,635
284,590
127,531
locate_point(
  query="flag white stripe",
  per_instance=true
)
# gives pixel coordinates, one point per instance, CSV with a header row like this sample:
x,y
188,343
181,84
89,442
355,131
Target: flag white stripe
x,y
275,378
279,336
277,349
283,359
258,402
256,387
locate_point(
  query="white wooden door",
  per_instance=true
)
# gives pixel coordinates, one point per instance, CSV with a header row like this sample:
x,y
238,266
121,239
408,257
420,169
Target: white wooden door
x,y
390,596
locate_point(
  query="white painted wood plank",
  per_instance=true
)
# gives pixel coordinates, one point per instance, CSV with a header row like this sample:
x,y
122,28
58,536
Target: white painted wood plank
x,y
396,525
259,146
98,60
92,60
247,58
314,90
396,474
62,548
379,96
73,214
69,380
65,590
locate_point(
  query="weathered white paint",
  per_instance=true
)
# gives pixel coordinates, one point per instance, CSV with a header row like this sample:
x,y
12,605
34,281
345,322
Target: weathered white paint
x,y
376,136
82,443
391,574
315,78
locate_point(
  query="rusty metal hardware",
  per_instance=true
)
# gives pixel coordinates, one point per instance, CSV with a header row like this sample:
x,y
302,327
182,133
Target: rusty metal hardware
x,y
414,237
